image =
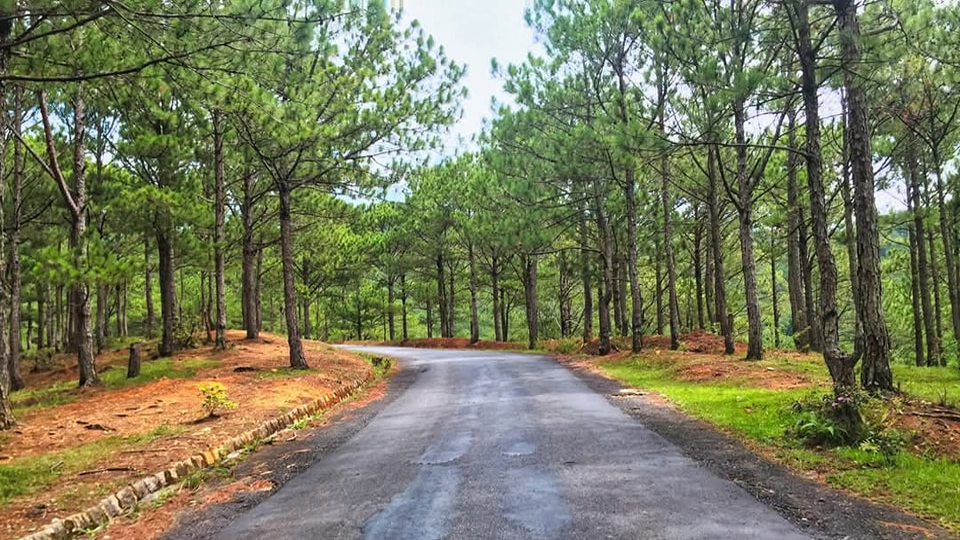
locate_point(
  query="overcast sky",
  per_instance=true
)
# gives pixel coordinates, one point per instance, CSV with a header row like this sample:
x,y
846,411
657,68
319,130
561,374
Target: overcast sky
x,y
473,32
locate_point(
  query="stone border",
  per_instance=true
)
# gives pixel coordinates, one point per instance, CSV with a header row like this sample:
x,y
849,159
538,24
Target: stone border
x,y
127,498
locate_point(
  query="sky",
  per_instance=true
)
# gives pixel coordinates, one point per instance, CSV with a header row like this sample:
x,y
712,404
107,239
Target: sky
x,y
473,32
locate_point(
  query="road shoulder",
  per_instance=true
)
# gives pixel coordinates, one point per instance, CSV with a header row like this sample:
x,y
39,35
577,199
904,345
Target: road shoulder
x,y
275,465
817,510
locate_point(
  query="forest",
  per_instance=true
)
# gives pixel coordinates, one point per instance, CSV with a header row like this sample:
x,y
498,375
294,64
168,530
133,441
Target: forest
x,y
775,172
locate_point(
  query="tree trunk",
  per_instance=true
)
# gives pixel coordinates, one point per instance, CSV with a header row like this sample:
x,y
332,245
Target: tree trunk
x,y
775,297
530,296
923,266
6,411
698,274
937,309
875,373
451,306
429,319
814,320
716,242
619,295
442,296
915,290
747,256
564,300
248,283
673,301
403,306
840,365
851,235
150,324
297,358
658,288
220,208
16,377
168,294
505,309
474,314
133,362
101,324
41,316
798,311
495,285
606,290
391,298
585,277
76,201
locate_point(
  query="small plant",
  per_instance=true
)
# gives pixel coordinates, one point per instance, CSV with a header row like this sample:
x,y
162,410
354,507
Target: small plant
x,y
215,398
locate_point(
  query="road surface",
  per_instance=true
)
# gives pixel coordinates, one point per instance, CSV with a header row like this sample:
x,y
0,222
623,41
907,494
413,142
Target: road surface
x,y
493,445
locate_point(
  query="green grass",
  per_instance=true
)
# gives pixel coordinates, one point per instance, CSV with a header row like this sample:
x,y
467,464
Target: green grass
x,y
32,474
930,383
153,370
926,486
61,393
41,398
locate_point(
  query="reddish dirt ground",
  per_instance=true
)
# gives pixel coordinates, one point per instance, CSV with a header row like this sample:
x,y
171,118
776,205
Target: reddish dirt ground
x,y
153,524
175,403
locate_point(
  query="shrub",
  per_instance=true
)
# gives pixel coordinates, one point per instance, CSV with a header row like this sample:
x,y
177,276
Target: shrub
x,y
215,398
852,419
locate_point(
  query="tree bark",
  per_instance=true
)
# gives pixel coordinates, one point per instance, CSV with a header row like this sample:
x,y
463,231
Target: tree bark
x,y
923,266
606,263
150,324
495,285
698,273
220,207
168,294
474,314
798,311
840,365
297,358
403,306
530,293
775,297
747,256
937,309
672,298
76,201
391,298
442,296
249,272
875,373
915,292
585,277
16,377
101,325
716,243
7,420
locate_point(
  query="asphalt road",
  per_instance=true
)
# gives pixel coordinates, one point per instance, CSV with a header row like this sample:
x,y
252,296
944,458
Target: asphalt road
x,y
492,445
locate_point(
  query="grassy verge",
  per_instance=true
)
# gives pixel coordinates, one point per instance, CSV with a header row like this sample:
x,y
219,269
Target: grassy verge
x,y
922,485
115,378
29,475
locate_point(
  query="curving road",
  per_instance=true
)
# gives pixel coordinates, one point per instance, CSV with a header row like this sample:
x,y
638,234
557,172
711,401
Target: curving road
x,y
491,445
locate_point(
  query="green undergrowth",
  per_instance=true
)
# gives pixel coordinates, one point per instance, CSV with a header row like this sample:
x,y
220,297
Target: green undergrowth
x,y
921,484
113,378
29,475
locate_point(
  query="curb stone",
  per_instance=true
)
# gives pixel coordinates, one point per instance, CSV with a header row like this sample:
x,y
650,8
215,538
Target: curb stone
x,y
126,499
